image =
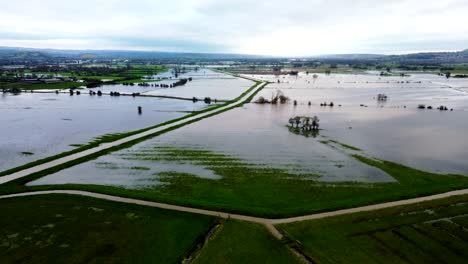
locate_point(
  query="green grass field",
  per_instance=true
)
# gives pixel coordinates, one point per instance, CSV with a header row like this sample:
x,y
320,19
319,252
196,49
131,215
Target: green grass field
x,y
73,229
431,232
53,86
243,242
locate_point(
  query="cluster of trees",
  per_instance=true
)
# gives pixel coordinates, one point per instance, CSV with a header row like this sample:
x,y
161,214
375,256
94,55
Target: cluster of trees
x,y
382,97
331,104
441,108
98,93
279,97
305,123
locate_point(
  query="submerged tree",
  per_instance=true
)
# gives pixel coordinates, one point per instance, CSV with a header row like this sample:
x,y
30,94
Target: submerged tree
x,y
305,123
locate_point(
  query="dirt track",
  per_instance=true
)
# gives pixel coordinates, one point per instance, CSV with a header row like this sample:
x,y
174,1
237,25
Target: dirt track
x,y
269,223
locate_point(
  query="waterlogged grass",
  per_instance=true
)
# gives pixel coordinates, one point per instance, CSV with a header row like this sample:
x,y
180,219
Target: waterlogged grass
x,y
73,229
263,191
243,242
431,232
346,146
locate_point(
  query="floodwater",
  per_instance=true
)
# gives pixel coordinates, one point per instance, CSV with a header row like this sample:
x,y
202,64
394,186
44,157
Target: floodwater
x,y
205,83
353,89
395,130
46,124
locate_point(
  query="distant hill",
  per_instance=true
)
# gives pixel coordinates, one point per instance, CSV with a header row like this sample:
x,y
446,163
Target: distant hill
x,y
12,51
10,55
414,58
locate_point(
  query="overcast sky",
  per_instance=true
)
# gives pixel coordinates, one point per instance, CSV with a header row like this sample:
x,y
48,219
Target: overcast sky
x,y
268,27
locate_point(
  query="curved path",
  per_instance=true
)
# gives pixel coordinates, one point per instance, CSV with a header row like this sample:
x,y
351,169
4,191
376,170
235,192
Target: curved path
x,y
269,223
104,146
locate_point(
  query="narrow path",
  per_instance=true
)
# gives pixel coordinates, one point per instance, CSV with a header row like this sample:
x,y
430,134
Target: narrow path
x,y
269,223
104,146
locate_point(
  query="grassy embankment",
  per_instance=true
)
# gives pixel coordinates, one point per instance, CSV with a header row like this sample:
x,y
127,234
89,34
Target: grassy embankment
x,y
431,232
74,229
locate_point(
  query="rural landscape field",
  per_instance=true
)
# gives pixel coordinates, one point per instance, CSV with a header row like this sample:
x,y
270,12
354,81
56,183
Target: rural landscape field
x,y
190,140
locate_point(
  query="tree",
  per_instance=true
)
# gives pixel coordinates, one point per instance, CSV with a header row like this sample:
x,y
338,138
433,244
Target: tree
x,y
315,123
298,121
306,125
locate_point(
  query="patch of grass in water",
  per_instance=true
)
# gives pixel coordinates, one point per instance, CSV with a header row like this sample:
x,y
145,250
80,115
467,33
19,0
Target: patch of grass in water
x,y
27,153
140,168
345,145
113,166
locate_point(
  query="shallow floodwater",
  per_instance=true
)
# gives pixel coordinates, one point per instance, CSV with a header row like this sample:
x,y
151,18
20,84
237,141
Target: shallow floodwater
x,y
256,134
395,130
46,124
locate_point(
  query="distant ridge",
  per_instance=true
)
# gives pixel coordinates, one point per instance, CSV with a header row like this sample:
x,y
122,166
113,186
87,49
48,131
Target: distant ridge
x,y
10,55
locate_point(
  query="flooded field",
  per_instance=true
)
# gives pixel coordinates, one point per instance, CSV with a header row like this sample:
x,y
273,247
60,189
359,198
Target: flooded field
x,y
40,125
396,129
205,83
353,89
257,135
